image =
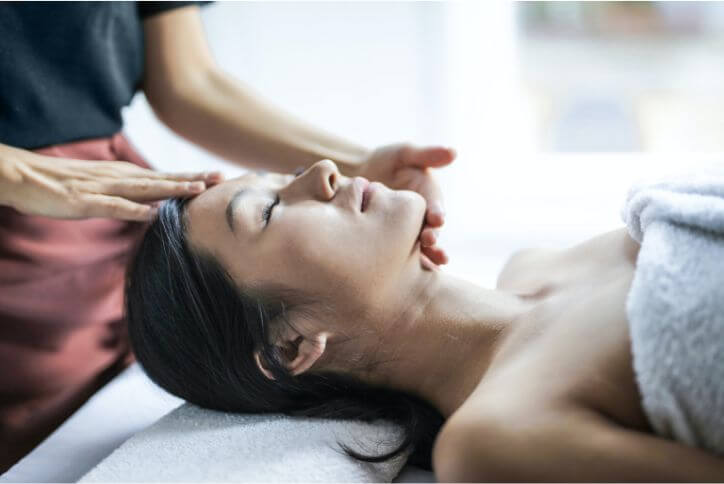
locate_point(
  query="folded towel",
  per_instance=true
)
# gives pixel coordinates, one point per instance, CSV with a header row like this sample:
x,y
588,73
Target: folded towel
x,y
675,306
196,444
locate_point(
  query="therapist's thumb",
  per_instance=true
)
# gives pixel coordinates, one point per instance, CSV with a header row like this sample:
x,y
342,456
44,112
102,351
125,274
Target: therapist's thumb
x,y
429,157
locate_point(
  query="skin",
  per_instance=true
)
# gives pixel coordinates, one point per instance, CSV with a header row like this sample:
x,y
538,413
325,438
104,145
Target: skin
x,y
534,377
375,295
197,99
559,401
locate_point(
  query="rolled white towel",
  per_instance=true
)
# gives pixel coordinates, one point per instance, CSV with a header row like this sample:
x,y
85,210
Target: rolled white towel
x,y
675,306
196,444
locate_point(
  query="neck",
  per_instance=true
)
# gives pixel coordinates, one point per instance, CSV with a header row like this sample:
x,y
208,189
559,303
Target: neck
x,y
445,339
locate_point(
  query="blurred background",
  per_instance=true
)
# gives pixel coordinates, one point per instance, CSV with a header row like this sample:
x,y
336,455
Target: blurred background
x,y
555,108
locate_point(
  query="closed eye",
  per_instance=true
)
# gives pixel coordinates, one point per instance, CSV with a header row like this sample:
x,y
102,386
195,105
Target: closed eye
x,y
267,212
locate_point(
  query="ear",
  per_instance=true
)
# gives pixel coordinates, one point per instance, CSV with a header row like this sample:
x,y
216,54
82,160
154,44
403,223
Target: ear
x,y
299,353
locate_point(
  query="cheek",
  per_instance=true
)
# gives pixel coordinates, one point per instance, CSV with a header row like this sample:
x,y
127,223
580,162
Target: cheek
x,y
311,250
338,244
332,254
337,257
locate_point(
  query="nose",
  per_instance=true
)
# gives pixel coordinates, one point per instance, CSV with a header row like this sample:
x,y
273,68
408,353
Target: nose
x,y
320,181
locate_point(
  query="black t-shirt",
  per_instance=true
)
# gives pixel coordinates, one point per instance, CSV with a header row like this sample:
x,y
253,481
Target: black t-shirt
x,y
67,68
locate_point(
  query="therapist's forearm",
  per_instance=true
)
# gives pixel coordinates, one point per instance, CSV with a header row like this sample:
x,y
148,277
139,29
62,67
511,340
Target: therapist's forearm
x,y
227,118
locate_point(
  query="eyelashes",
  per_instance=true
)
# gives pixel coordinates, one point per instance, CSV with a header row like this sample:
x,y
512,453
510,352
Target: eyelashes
x,y
267,211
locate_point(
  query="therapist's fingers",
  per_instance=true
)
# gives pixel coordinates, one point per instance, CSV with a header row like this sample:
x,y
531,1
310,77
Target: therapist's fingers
x,y
208,177
123,169
429,157
430,191
141,190
435,254
435,214
426,263
428,236
428,241
97,205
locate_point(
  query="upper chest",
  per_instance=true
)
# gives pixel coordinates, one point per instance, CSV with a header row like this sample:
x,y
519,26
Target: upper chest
x,y
574,345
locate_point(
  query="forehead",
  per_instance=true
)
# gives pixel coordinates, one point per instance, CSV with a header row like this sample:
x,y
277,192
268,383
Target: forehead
x,y
221,194
227,188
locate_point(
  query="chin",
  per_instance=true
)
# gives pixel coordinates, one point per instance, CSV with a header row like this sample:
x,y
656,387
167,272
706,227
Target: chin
x,y
409,214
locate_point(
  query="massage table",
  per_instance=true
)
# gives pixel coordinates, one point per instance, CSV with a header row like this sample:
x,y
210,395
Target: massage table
x,y
126,405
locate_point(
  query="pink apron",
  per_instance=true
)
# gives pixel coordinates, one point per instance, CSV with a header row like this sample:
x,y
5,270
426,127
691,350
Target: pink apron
x,y
62,332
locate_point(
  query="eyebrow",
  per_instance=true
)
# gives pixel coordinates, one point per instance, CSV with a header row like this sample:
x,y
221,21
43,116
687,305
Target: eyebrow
x,y
230,207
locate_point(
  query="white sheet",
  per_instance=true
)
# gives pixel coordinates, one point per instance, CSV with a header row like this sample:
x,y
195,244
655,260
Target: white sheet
x,y
125,406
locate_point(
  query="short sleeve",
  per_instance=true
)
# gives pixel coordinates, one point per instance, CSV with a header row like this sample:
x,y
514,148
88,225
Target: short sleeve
x,y
148,9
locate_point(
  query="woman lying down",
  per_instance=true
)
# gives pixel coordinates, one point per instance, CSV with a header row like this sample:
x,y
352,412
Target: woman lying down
x,y
308,296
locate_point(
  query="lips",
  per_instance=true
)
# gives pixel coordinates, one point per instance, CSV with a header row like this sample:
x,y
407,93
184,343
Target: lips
x,y
366,197
362,192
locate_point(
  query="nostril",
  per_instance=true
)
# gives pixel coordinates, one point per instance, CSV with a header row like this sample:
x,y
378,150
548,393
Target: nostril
x,y
333,181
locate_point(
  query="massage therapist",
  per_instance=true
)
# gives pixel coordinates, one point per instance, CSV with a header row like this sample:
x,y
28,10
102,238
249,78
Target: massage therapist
x,y
75,196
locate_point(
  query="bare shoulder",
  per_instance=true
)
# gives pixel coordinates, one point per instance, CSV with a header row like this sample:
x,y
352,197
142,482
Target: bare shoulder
x,y
565,444
479,437
605,242
446,458
524,267
529,269
481,420
506,438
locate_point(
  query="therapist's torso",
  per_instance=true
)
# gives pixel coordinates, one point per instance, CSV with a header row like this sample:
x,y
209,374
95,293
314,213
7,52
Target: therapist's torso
x,y
67,70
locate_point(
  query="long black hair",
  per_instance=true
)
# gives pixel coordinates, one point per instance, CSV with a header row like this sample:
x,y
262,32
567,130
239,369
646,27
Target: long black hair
x,y
195,331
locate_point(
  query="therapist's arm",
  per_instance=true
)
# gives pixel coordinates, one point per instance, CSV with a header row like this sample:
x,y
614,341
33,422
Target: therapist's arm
x,y
196,99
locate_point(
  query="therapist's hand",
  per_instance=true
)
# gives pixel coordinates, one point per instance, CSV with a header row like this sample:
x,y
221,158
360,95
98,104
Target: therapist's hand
x,y
406,167
71,189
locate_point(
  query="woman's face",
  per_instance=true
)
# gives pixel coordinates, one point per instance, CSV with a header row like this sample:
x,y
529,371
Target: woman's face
x,y
311,234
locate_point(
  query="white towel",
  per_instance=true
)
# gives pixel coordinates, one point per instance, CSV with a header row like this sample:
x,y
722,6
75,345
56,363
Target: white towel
x,y
196,444
675,306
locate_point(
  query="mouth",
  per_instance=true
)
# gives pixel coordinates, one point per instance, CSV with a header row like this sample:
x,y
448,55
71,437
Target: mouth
x,y
362,186
368,194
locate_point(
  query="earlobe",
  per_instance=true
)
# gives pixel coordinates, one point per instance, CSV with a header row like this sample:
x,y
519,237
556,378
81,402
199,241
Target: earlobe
x,y
308,352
